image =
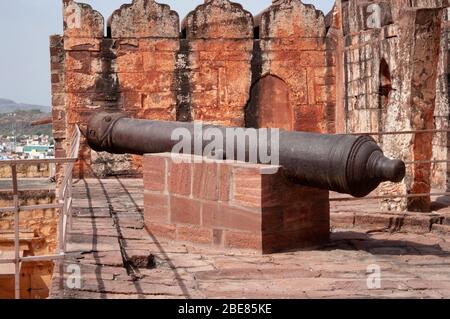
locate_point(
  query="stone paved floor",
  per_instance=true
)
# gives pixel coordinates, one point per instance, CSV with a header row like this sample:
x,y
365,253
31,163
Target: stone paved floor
x,y
112,248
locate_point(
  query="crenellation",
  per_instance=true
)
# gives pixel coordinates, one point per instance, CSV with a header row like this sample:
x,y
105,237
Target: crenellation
x,y
218,19
81,22
144,19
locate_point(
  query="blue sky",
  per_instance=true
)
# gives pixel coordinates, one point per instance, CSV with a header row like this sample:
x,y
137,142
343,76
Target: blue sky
x,y
25,27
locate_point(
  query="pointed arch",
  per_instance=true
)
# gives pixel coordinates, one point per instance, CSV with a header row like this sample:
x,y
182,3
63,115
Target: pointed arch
x,y
269,105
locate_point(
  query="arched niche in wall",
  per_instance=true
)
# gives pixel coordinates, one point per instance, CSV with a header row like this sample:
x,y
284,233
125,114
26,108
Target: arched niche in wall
x,y
385,85
269,105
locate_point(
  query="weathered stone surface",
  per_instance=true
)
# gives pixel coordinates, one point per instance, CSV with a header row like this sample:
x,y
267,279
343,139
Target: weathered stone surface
x,y
412,265
219,42
143,19
81,21
266,213
391,87
147,43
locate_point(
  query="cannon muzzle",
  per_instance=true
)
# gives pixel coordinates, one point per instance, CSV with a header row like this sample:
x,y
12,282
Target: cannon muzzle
x,y
347,164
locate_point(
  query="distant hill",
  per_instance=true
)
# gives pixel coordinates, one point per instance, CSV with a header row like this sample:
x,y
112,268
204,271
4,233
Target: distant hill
x,y
9,106
25,114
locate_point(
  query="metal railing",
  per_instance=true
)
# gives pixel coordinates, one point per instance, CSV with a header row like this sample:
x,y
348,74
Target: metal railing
x,y
63,204
407,163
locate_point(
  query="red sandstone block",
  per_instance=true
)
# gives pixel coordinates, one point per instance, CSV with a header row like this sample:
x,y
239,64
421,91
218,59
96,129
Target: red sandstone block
x,y
58,87
247,183
205,182
441,229
239,45
55,78
282,241
185,210
161,230
132,100
159,101
213,56
159,45
80,82
56,67
377,221
159,61
129,61
325,75
157,81
342,220
272,219
225,172
58,99
83,101
209,210
242,240
311,58
81,44
59,123
131,81
154,173
146,82
156,208
78,61
158,114
229,217
206,78
293,44
325,93
194,234
276,190
180,178
127,45
297,217
310,118
218,237
419,224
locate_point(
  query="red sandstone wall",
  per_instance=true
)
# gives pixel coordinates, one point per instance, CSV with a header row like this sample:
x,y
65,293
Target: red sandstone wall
x,y
293,48
441,146
219,43
146,45
146,42
85,86
144,68
390,85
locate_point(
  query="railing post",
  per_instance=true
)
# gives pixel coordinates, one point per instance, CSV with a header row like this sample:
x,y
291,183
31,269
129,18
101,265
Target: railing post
x,y
16,232
64,205
69,211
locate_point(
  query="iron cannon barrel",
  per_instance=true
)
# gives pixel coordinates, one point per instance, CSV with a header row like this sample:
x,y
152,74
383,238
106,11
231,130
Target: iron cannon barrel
x,y
347,164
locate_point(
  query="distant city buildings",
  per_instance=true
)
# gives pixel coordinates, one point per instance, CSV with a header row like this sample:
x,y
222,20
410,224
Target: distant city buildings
x,y
26,147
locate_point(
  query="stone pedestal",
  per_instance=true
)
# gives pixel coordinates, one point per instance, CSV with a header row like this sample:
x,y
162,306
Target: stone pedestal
x,y
231,205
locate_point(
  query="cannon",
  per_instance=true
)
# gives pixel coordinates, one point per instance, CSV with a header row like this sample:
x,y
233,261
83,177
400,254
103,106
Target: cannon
x,y
346,164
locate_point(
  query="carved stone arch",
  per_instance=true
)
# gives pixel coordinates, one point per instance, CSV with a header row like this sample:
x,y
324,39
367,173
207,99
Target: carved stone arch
x,y
269,105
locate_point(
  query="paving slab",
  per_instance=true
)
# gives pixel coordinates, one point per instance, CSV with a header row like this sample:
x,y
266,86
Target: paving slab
x,y
108,238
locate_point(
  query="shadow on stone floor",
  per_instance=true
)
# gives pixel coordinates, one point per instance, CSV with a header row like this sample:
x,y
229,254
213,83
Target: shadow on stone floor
x,y
351,240
441,203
